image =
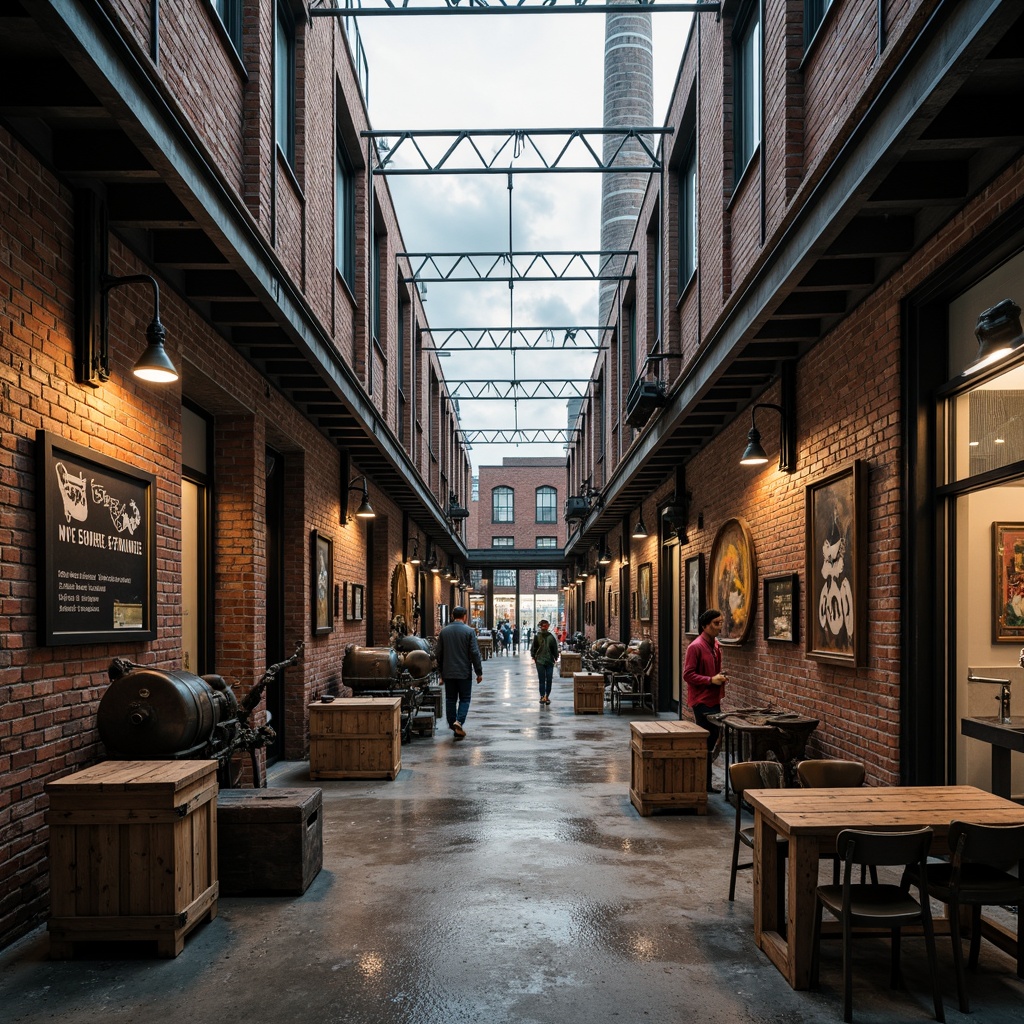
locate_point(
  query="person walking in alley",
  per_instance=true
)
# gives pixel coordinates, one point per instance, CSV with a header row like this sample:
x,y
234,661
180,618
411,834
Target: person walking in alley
x,y
544,651
457,654
705,680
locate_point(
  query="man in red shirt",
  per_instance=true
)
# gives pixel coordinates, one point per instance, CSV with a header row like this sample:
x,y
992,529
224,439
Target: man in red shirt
x,y
705,680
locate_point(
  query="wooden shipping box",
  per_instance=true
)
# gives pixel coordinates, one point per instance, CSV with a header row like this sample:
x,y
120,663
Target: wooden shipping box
x,y
356,738
587,693
669,766
133,853
269,840
569,663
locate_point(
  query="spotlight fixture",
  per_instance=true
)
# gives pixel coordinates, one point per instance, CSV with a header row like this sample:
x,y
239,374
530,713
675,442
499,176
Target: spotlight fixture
x,y
999,334
414,558
604,556
639,531
365,510
432,565
754,454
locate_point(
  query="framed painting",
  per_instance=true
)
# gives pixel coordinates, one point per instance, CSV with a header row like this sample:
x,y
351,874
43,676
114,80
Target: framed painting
x,y
836,567
1008,579
323,583
780,608
354,602
695,584
643,592
732,580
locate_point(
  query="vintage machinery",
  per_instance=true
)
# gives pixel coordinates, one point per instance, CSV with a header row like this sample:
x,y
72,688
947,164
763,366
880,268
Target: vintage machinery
x,y
405,670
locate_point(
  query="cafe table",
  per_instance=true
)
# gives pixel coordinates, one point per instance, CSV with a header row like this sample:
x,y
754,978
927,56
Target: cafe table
x,y
811,820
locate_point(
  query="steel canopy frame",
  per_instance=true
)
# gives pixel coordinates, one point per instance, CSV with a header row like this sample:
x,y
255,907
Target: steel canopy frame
x,y
552,265
391,8
479,339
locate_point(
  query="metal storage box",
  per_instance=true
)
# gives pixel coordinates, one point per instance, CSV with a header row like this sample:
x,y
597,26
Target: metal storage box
x,y
133,853
669,766
587,693
356,738
270,840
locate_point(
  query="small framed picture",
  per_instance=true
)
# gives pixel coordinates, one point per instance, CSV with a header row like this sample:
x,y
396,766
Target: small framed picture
x,y
643,588
781,611
323,583
695,603
353,602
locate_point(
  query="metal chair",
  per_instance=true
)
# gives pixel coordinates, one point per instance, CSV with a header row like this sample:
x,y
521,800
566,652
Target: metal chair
x,y
754,775
978,875
874,905
824,773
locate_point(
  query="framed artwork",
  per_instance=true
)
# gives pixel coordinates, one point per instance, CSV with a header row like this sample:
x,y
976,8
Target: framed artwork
x,y
780,605
632,604
1008,579
732,580
354,602
610,605
643,592
323,583
695,583
836,567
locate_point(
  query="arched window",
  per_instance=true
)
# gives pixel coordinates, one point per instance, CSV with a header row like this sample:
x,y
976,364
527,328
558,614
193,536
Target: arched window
x,y
547,505
502,505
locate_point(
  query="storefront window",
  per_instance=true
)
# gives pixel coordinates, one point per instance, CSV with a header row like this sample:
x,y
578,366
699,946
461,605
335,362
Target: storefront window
x,y
987,431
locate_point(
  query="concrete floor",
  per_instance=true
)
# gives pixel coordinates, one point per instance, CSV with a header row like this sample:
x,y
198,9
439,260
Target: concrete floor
x,y
505,877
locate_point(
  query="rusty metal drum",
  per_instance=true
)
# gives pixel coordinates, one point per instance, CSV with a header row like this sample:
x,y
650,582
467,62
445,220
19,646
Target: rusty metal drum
x,y
369,668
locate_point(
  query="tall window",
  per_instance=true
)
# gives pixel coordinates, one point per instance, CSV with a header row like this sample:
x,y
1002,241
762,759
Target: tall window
x,y
230,13
747,86
502,542
547,579
814,14
504,577
284,80
547,505
379,283
502,505
344,217
688,218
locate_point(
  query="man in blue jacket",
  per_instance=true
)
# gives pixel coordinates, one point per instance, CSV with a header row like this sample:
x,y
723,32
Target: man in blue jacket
x,y
457,654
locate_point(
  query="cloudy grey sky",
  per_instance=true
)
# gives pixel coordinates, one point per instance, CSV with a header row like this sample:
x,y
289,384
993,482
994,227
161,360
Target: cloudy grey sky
x,y
513,72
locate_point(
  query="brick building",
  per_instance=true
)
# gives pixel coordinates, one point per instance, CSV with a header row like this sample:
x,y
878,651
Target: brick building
x,y
212,152
813,277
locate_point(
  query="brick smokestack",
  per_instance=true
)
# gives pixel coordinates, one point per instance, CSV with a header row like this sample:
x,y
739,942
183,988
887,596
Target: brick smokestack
x,y
628,103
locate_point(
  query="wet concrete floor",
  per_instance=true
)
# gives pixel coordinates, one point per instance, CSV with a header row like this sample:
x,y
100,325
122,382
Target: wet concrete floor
x,y
504,877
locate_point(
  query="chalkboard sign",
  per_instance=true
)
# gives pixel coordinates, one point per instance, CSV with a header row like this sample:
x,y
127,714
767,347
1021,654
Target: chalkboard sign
x,y
97,533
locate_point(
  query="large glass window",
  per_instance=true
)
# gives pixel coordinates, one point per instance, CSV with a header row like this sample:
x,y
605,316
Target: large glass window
x,y
284,81
747,87
504,577
502,505
230,13
547,579
547,505
344,217
688,218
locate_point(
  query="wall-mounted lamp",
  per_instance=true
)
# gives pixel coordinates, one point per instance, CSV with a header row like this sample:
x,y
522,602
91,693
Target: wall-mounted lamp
x,y
414,558
365,510
623,554
432,565
639,531
455,510
92,287
565,580
999,334
754,454
604,556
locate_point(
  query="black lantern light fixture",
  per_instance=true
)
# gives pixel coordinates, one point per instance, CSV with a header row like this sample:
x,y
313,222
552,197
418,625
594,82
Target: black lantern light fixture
x,y
639,531
999,335
414,558
754,454
365,510
604,556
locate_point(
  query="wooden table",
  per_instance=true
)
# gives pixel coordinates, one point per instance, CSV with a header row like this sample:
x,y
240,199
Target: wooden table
x,y
811,819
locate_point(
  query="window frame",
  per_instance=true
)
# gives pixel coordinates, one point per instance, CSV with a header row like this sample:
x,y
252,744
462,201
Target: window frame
x,y
688,254
546,513
815,12
503,489
344,200
748,86
285,85
229,12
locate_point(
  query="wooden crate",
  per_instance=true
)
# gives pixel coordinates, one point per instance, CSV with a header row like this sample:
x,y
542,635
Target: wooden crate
x,y
587,693
269,840
569,664
133,853
356,738
669,766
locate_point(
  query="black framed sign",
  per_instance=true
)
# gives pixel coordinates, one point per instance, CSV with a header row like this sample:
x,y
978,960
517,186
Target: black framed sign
x,y
322,607
781,608
694,593
97,530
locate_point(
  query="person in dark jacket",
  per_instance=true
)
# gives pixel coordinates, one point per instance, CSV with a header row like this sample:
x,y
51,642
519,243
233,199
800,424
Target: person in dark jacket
x,y
544,651
457,654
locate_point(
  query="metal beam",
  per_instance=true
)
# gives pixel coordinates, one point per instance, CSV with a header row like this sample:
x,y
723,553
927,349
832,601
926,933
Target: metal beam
x,y
518,390
636,151
536,435
504,267
381,8
477,339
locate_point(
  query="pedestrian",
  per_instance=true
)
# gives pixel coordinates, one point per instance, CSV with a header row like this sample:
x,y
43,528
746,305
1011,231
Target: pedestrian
x,y
506,632
499,640
544,651
705,681
515,639
457,653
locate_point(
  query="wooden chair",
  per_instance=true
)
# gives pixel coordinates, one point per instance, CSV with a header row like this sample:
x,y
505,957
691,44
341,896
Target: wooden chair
x,y
754,775
825,773
873,905
978,876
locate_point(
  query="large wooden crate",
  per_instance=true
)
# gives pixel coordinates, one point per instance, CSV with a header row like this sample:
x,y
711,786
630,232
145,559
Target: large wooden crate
x,y
587,693
356,738
569,663
270,840
133,853
669,766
